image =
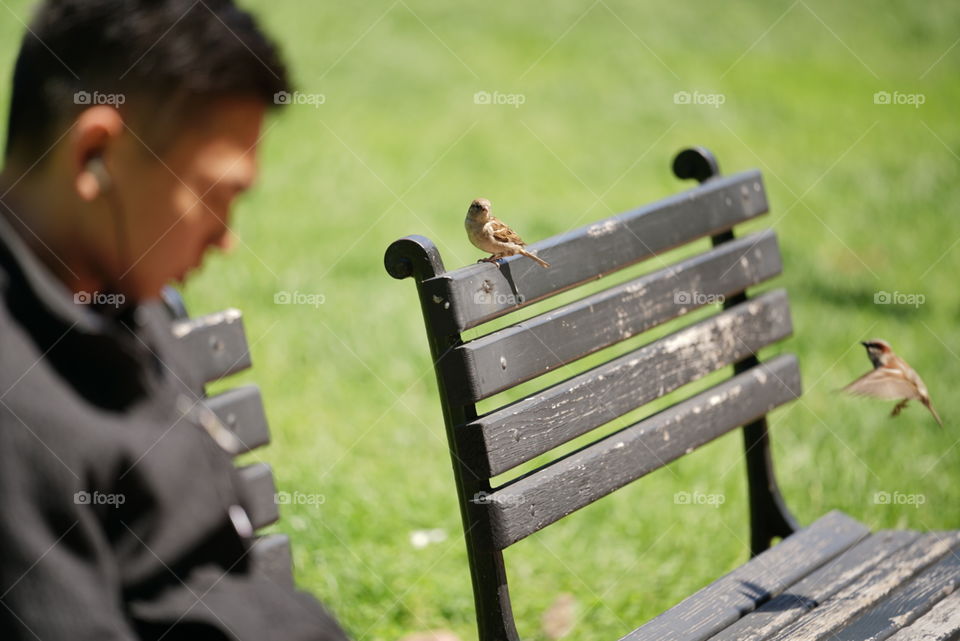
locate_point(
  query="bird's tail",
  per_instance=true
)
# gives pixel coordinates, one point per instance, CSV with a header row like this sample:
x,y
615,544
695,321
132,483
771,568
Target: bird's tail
x,y
929,406
534,257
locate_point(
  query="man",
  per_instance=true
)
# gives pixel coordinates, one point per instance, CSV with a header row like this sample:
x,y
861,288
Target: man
x,y
133,127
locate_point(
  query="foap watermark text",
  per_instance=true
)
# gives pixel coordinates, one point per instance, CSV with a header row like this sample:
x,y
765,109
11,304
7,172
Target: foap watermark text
x,y
898,298
497,98
299,298
697,98
99,299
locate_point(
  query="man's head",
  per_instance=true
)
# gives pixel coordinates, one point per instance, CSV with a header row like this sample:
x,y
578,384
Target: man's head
x,y
133,126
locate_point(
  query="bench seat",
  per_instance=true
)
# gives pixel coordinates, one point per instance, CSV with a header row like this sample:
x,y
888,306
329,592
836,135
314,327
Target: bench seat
x,y
833,580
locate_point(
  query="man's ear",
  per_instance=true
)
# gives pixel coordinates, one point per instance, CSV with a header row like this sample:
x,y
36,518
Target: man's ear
x,y
95,132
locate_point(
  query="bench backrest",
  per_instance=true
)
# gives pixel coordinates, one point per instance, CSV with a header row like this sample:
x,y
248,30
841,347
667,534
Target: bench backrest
x,y
216,347
484,446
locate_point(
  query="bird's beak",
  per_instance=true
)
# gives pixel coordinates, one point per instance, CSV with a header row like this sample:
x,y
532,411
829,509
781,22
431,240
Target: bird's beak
x,y
865,344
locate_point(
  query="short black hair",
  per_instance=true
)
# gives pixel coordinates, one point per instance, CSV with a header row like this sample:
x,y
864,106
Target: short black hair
x,y
159,55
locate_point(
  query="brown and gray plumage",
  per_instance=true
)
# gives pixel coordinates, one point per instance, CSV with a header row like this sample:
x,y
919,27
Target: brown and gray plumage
x,y
493,236
891,379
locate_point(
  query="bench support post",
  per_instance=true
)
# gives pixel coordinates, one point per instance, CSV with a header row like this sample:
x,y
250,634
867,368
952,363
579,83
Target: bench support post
x,y
769,516
417,257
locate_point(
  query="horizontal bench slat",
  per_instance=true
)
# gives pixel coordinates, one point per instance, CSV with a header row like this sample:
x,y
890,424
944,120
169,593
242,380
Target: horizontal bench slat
x,y
261,494
797,599
518,432
871,587
498,361
906,605
942,623
241,411
711,609
475,294
272,558
544,496
215,345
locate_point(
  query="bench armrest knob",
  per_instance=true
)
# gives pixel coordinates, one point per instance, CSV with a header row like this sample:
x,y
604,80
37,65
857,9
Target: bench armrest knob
x,y
696,162
413,256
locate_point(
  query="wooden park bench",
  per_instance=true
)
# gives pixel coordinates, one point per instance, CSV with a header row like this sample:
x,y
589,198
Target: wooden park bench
x,y
832,580
216,347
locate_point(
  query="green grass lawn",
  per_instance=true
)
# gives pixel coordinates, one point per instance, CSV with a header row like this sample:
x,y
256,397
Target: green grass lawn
x,y
864,197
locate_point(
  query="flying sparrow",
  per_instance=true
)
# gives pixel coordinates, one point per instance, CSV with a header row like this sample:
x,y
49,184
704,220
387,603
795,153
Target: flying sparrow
x,y
491,235
891,379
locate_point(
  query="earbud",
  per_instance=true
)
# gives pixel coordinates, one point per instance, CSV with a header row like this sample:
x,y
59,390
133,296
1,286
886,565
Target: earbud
x,y
99,170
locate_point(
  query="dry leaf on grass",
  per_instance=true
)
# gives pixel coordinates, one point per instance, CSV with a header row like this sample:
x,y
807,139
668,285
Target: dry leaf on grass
x,y
560,617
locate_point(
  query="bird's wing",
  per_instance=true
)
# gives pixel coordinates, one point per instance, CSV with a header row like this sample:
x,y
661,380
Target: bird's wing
x,y
503,233
911,375
883,382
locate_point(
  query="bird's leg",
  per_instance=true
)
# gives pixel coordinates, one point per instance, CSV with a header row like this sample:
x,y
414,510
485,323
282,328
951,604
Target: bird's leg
x,y
899,407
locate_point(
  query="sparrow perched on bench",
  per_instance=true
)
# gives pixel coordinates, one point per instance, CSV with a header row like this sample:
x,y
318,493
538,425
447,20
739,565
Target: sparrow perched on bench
x,y
491,235
891,379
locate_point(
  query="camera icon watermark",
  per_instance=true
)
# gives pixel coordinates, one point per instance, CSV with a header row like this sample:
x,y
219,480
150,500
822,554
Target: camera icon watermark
x,y
699,498
898,298
98,498
97,98
299,298
299,498
899,498
697,98
99,299
299,98
898,98
696,298
497,98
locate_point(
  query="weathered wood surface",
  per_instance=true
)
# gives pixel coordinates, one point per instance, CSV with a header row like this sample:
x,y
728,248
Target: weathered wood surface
x,y
241,411
832,580
716,606
942,623
518,432
544,496
906,605
498,361
472,295
215,344
802,597
215,347
271,557
260,494
870,588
